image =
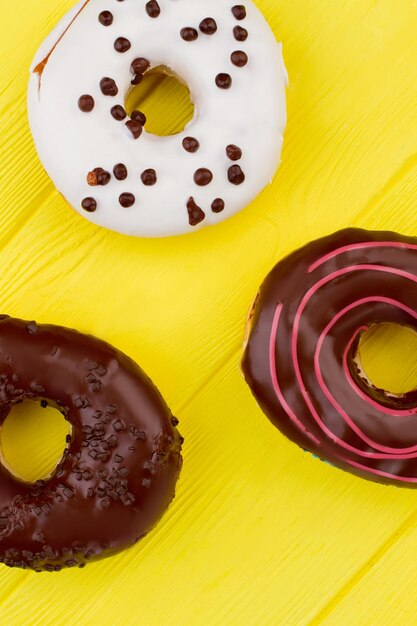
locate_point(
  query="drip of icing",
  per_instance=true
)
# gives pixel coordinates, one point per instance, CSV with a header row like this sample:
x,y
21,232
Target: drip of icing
x,y
39,67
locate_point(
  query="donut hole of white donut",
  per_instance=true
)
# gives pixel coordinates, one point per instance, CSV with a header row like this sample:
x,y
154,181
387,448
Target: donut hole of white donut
x,y
384,358
161,84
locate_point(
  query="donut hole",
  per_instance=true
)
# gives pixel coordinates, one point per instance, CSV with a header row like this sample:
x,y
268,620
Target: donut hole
x,y
387,354
165,100
32,440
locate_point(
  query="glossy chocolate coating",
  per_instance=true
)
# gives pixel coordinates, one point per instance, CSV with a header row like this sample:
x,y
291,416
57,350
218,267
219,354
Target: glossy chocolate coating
x,y
302,360
117,475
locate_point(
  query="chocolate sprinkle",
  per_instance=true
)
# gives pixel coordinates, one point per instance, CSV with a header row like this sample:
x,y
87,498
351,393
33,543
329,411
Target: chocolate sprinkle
x,y
106,18
86,103
223,81
139,117
208,26
120,171
98,177
137,80
239,11
190,144
32,329
203,177
236,175
139,66
189,34
108,87
217,205
233,152
240,34
118,113
89,205
135,128
153,9
127,200
149,177
239,58
195,214
122,44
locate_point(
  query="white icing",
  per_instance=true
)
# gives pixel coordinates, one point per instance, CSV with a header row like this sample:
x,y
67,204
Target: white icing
x,y
251,114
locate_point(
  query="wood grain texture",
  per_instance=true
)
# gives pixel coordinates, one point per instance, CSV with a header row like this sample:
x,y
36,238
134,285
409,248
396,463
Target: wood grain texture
x,y
260,533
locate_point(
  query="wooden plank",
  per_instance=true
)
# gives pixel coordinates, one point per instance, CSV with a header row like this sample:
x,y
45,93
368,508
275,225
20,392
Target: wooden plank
x,y
260,533
384,591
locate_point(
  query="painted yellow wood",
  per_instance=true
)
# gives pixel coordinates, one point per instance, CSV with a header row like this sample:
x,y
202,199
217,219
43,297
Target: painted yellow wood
x,y
260,533
387,583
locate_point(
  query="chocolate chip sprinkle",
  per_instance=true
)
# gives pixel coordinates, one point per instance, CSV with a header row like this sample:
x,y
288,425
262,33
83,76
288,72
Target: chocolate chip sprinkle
x,y
108,87
89,205
139,117
153,9
118,113
239,58
190,144
195,214
120,171
137,79
203,177
106,18
98,176
140,65
236,175
86,103
240,34
135,128
223,81
208,26
122,44
217,205
149,177
239,11
127,200
233,152
189,34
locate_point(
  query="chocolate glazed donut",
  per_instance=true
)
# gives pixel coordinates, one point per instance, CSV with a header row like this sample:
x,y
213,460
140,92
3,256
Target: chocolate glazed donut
x,y
302,360
117,475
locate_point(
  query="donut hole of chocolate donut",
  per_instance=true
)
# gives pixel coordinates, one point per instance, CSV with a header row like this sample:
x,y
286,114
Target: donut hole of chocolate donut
x,y
161,84
386,356
33,440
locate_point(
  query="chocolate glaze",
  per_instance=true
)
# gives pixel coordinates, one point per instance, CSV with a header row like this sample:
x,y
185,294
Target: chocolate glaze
x,y
302,363
119,471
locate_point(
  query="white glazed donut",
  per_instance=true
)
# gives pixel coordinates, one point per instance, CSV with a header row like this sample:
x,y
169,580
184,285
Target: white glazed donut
x,y
114,172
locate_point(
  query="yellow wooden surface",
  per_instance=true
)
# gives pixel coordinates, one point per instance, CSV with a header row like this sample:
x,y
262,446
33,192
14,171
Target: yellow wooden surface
x,y
260,533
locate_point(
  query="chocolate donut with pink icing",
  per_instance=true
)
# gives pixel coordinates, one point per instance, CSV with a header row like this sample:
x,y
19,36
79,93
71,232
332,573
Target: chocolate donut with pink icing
x,y
302,362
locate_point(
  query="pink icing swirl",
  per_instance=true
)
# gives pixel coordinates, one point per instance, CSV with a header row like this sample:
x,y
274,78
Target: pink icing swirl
x,y
326,402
